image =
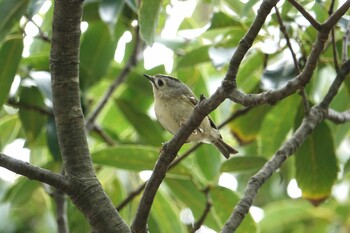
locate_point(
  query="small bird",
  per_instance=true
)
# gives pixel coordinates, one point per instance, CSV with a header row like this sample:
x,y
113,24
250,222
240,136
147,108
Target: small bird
x,y
173,105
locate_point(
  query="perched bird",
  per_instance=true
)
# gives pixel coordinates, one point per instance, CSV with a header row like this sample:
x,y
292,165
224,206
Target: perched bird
x,y
173,105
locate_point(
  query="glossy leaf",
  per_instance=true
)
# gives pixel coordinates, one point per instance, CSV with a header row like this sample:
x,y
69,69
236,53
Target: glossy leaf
x,y
249,74
148,15
130,157
222,20
96,53
224,200
316,165
10,14
21,192
9,128
243,164
278,123
246,128
149,130
10,53
110,11
194,57
166,213
32,120
283,215
189,194
208,159
52,139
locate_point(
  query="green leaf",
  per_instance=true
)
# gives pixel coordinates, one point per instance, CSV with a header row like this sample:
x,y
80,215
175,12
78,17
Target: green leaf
x,y
168,222
278,122
185,191
130,157
246,128
35,6
278,73
10,14
52,139
208,159
316,165
224,200
249,73
243,164
110,11
221,20
194,57
9,128
21,192
96,53
32,120
38,61
148,129
283,215
248,8
148,15
11,54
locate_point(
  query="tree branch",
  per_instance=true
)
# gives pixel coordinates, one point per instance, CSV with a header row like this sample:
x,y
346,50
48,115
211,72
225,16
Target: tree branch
x,y
346,39
272,96
88,194
338,117
61,211
295,61
15,104
333,90
317,114
35,173
309,123
203,108
306,14
205,213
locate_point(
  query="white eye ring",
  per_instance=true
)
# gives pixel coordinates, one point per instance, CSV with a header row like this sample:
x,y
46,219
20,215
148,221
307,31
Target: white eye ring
x,y
160,82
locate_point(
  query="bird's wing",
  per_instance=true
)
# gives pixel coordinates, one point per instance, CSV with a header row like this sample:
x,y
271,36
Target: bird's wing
x,y
194,101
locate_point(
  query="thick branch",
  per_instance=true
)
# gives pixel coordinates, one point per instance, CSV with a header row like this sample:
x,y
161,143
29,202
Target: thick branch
x,y
88,194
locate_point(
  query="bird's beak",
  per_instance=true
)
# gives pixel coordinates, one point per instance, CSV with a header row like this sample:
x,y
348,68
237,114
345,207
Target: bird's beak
x,y
150,78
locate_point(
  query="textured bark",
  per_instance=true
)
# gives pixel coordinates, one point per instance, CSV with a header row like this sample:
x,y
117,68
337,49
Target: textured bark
x,y
87,193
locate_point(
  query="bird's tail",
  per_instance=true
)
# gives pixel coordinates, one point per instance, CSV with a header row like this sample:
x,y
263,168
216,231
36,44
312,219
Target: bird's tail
x,y
224,148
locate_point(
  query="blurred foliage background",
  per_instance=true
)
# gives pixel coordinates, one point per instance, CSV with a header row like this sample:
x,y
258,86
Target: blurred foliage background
x,y
194,41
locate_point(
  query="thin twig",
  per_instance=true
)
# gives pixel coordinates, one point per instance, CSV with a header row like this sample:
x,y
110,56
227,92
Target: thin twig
x,y
205,213
346,39
103,135
42,35
334,46
116,83
16,104
306,14
295,61
342,73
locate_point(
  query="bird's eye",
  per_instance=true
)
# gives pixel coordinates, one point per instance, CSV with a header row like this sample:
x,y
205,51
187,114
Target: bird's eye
x,y
160,82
